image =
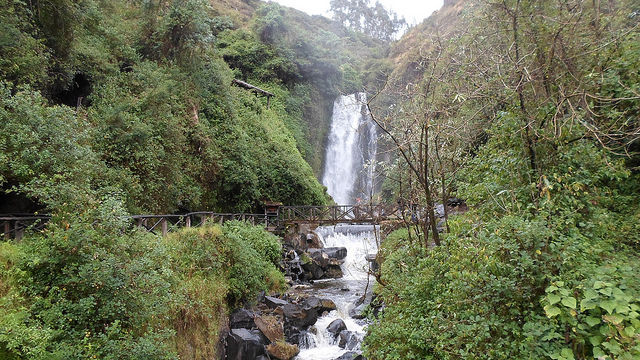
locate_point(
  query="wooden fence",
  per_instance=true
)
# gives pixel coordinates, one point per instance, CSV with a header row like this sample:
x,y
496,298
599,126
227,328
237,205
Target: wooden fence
x,y
14,226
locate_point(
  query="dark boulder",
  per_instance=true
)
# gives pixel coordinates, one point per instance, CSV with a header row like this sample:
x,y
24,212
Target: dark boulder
x,y
321,305
244,344
273,302
328,256
348,340
336,327
297,319
351,355
313,270
298,316
333,272
338,253
242,319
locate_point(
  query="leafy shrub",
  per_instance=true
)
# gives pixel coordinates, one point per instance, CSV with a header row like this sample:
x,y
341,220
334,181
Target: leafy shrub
x,y
253,257
85,292
217,267
546,271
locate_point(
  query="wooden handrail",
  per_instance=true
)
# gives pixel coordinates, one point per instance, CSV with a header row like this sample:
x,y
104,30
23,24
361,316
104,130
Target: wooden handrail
x,y
332,214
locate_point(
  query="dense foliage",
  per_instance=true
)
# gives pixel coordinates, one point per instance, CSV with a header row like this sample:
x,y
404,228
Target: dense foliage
x,y
102,291
527,111
140,95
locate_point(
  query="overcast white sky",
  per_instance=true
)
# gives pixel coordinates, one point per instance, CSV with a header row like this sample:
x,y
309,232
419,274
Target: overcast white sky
x,y
414,11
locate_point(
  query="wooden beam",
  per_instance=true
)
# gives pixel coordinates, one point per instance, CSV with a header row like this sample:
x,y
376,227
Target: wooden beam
x,y
251,87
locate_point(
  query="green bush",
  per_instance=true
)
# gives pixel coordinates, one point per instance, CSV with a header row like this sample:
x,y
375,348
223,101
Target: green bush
x,y
542,270
84,292
253,256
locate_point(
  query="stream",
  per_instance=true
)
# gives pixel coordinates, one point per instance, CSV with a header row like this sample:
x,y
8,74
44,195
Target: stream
x,y
346,292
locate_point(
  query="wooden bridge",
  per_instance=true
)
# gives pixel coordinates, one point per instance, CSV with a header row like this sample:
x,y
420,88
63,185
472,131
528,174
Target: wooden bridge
x,y
274,219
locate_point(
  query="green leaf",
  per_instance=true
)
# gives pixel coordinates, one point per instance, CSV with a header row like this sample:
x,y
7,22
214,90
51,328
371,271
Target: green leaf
x,y
598,284
569,302
590,294
567,354
606,291
623,309
613,346
553,298
608,305
605,330
592,321
595,340
587,305
629,331
552,311
598,353
551,288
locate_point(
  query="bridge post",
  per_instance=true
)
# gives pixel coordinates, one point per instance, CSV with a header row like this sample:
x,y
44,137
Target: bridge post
x,y
163,224
19,233
7,229
187,221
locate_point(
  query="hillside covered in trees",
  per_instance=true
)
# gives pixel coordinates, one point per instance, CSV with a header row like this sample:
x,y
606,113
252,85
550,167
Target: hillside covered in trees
x,y
127,97
527,111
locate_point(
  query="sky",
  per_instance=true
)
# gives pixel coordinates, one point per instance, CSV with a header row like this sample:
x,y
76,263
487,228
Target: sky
x,y
414,11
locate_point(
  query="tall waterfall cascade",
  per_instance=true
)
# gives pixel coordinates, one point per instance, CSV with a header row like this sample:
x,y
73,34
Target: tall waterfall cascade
x,y
349,177
351,151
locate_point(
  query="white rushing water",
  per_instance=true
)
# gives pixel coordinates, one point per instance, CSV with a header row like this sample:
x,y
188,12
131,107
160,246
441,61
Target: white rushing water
x,y
348,176
351,151
359,240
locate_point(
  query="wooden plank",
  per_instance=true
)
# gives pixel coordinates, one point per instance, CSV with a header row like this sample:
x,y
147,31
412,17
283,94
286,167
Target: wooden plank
x,y
251,87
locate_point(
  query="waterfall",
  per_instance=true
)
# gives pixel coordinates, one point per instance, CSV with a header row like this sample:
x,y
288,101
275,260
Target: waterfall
x,y
349,177
351,151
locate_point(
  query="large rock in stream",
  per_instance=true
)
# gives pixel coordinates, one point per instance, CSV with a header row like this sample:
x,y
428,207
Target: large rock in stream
x,y
336,327
324,263
328,256
321,305
245,344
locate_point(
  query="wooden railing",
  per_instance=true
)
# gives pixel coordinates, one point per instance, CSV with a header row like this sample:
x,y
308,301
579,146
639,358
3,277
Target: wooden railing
x,y
163,224
338,213
14,226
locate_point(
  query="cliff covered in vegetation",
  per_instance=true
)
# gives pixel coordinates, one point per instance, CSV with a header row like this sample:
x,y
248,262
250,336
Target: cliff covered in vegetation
x,y
137,98
529,112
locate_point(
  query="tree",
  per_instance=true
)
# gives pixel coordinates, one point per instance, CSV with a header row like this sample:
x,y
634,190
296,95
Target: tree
x,y
375,21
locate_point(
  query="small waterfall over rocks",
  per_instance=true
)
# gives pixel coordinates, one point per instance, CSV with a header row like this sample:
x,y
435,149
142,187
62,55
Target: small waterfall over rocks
x,y
338,333
351,151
